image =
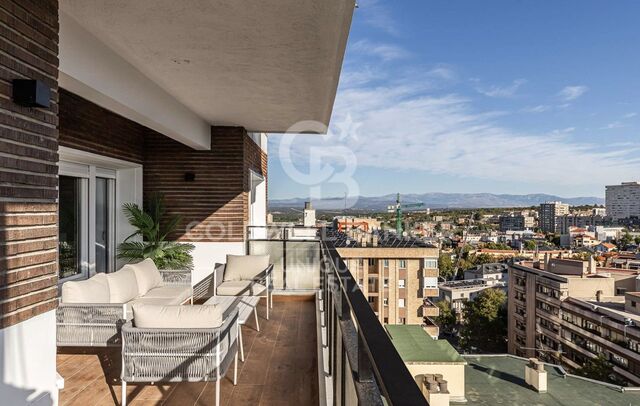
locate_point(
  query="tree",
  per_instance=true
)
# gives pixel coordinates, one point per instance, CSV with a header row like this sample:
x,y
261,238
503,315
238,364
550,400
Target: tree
x,y
582,256
530,245
154,231
446,320
485,322
600,369
477,216
446,266
637,240
625,239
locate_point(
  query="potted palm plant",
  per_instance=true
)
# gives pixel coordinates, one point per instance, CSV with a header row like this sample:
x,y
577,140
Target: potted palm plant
x,y
150,226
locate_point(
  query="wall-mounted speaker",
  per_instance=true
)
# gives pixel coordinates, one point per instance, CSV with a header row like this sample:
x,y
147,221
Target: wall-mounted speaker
x,y
31,93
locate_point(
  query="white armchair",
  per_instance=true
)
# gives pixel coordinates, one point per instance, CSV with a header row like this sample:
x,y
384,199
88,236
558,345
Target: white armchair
x,y
242,275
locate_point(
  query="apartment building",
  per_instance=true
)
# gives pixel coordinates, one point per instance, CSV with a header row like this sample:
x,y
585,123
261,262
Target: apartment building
x,y
566,312
623,201
565,222
516,222
548,215
398,276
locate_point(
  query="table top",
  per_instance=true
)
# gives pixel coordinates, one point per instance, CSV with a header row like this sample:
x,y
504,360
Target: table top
x,y
245,305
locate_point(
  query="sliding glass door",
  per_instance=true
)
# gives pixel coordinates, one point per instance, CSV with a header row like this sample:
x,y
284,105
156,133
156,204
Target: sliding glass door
x,y
73,200
87,221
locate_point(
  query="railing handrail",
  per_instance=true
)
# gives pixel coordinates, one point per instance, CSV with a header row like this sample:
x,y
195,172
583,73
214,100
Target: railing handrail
x,y
392,376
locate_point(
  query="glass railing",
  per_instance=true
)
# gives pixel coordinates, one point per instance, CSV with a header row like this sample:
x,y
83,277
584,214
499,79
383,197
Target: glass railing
x,y
360,364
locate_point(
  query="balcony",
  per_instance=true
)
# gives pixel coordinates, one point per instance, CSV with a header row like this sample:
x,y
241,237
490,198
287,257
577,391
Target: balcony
x,y
323,343
429,309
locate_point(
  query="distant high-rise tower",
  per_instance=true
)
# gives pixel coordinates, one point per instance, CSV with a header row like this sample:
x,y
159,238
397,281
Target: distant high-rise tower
x,y
623,201
309,215
548,214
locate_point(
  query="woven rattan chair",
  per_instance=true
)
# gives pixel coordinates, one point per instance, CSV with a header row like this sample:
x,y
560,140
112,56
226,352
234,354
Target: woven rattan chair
x,y
208,287
179,355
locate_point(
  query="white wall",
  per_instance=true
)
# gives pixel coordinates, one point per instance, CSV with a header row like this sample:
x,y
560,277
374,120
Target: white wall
x,y
28,362
94,71
207,254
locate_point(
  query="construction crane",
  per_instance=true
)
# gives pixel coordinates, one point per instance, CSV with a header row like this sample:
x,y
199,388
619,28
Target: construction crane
x,y
397,208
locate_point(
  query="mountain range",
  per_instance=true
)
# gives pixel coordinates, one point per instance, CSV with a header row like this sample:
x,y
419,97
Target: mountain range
x,y
437,200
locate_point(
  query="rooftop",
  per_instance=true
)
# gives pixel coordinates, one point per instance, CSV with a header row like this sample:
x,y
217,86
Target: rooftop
x,y
385,240
494,380
416,346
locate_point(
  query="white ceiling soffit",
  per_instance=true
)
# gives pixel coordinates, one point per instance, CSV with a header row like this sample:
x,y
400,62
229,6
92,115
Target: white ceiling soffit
x,y
260,64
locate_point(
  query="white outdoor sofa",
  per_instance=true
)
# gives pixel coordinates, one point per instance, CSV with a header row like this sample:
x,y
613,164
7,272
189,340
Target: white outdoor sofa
x,y
91,312
242,275
179,344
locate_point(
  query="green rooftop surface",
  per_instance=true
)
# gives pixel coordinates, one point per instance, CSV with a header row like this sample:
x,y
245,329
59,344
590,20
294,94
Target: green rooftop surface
x,y
415,345
499,380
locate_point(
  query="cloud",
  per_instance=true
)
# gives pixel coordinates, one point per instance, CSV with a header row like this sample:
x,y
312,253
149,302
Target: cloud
x,y
502,91
386,52
377,15
431,132
569,93
541,108
613,125
630,115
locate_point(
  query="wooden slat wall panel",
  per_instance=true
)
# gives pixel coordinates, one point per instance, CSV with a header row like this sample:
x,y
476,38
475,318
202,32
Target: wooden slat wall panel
x,y
28,158
214,207
89,127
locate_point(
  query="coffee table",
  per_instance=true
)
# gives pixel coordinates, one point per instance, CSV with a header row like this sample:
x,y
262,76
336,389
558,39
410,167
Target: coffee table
x,y
245,304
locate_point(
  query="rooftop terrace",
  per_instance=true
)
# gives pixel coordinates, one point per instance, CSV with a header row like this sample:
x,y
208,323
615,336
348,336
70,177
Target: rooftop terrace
x,y
280,368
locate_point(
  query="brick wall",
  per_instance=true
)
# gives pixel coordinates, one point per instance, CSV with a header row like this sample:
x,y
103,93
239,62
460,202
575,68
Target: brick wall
x,y
28,156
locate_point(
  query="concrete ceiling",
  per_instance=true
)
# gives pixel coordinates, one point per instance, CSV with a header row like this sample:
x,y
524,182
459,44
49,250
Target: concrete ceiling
x,y
261,64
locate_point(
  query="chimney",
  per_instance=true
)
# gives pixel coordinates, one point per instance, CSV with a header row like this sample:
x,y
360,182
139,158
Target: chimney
x,y
546,261
599,295
535,375
592,269
435,390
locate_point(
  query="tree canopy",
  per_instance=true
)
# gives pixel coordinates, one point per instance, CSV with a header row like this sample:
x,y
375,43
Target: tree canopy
x,y
485,322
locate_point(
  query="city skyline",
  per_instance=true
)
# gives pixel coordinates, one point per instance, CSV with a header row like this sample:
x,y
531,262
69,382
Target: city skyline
x,y
470,91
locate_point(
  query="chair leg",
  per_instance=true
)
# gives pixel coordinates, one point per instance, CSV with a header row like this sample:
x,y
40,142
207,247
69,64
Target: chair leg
x,y
123,401
271,299
255,313
218,392
235,369
267,305
241,343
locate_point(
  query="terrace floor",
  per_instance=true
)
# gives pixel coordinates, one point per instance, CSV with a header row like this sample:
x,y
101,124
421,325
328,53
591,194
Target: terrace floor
x,y
280,367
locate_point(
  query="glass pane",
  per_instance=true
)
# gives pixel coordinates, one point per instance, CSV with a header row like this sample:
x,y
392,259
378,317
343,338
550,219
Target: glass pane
x,y
70,226
103,208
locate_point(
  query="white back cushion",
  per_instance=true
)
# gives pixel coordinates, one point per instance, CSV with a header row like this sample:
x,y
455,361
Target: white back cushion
x,y
123,285
157,316
92,290
244,267
147,275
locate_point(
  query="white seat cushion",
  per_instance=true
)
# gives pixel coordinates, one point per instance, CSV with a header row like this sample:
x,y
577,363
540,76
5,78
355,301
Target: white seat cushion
x,y
123,285
240,288
244,267
147,275
172,294
179,317
92,290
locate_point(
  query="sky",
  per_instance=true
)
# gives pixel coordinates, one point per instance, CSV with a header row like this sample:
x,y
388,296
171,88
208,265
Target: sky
x,y
496,96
